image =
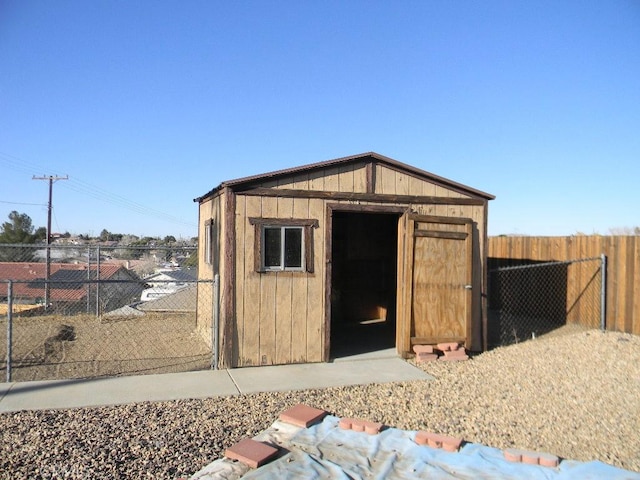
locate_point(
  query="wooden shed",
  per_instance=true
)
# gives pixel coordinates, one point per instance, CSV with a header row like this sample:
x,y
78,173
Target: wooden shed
x,y
340,257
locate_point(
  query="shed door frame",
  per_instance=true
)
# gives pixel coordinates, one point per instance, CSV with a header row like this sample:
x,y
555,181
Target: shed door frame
x,y
408,236
348,208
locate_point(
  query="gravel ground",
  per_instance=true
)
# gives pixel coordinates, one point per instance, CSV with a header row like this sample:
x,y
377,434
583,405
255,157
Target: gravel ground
x,y
577,396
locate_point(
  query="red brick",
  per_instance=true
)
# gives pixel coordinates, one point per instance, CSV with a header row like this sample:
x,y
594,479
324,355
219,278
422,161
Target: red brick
x,y
426,357
423,349
452,444
251,452
456,358
513,455
456,354
449,346
357,426
302,415
434,440
531,458
373,428
345,423
548,460
421,438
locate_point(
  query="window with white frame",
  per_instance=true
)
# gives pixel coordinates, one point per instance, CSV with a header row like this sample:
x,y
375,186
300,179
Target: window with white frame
x,y
283,244
283,247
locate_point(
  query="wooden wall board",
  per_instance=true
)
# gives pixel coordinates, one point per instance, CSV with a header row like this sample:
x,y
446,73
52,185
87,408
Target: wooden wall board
x,y
241,246
346,180
332,180
402,184
267,316
227,275
385,180
301,182
360,179
299,306
315,287
417,187
316,181
250,300
283,317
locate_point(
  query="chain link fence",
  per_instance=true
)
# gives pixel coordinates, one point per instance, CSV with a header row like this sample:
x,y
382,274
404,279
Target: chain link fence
x,y
93,311
533,299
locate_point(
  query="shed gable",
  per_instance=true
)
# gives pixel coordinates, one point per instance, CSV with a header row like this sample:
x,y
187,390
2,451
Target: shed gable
x,y
368,173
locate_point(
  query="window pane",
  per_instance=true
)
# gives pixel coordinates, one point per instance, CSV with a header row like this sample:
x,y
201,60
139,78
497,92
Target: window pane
x,y
272,246
207,244
293,248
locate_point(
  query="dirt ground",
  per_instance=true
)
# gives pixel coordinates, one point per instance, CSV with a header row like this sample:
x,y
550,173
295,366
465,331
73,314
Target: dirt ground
x,y
82,346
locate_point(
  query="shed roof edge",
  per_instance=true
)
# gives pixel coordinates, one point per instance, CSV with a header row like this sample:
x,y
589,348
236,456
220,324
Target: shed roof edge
x,y
342,160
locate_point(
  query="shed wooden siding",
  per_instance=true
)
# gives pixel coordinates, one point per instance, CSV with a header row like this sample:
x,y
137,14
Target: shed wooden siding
x,y
281,316
623,270
210,210
362,177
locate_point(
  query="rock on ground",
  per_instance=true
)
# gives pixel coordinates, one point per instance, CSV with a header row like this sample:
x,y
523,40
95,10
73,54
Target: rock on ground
x,y
576,396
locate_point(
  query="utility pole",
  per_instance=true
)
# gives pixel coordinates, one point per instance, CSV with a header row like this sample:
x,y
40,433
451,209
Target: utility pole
x,y
52,179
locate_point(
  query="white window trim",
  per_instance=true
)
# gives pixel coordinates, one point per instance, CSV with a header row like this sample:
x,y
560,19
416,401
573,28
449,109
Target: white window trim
x,y
306,224
281,267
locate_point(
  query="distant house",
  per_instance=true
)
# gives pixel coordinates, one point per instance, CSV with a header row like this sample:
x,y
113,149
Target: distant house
x,y
166,282
182,300
74,288
171,277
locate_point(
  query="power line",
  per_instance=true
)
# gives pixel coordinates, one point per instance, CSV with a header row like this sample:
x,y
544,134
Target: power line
x,y
96,192
23,203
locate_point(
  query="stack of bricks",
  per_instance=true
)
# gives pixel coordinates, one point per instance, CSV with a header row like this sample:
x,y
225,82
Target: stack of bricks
x,y
433,440
359,425
425,353
531,458
451,351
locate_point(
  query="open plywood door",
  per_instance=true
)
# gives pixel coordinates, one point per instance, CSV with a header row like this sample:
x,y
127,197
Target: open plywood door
x,y
435,258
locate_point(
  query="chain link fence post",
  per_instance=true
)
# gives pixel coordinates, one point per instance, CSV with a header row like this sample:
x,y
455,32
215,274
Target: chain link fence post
x,y
215,324
9,327
97,280
603,292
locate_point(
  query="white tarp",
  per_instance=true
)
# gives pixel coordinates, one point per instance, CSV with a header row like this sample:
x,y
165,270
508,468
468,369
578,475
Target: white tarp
x,y
324,451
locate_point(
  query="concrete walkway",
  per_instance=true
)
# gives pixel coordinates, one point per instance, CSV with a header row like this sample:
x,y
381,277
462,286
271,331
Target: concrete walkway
x,y
39,395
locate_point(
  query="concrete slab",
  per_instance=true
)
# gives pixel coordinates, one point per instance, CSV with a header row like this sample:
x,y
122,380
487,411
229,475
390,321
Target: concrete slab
x,y
323,375
53,394
114,390
373,355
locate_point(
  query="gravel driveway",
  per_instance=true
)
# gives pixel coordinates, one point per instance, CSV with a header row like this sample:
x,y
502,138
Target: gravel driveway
x,y
576,396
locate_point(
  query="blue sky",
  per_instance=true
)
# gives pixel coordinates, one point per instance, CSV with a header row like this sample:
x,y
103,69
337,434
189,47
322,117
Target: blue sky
x,y
146,105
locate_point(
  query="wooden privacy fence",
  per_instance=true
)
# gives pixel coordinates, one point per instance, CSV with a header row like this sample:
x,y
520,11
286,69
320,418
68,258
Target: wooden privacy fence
x,y
623,268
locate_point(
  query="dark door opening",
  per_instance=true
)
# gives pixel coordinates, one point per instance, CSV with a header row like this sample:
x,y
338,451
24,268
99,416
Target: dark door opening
x,y
363,282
